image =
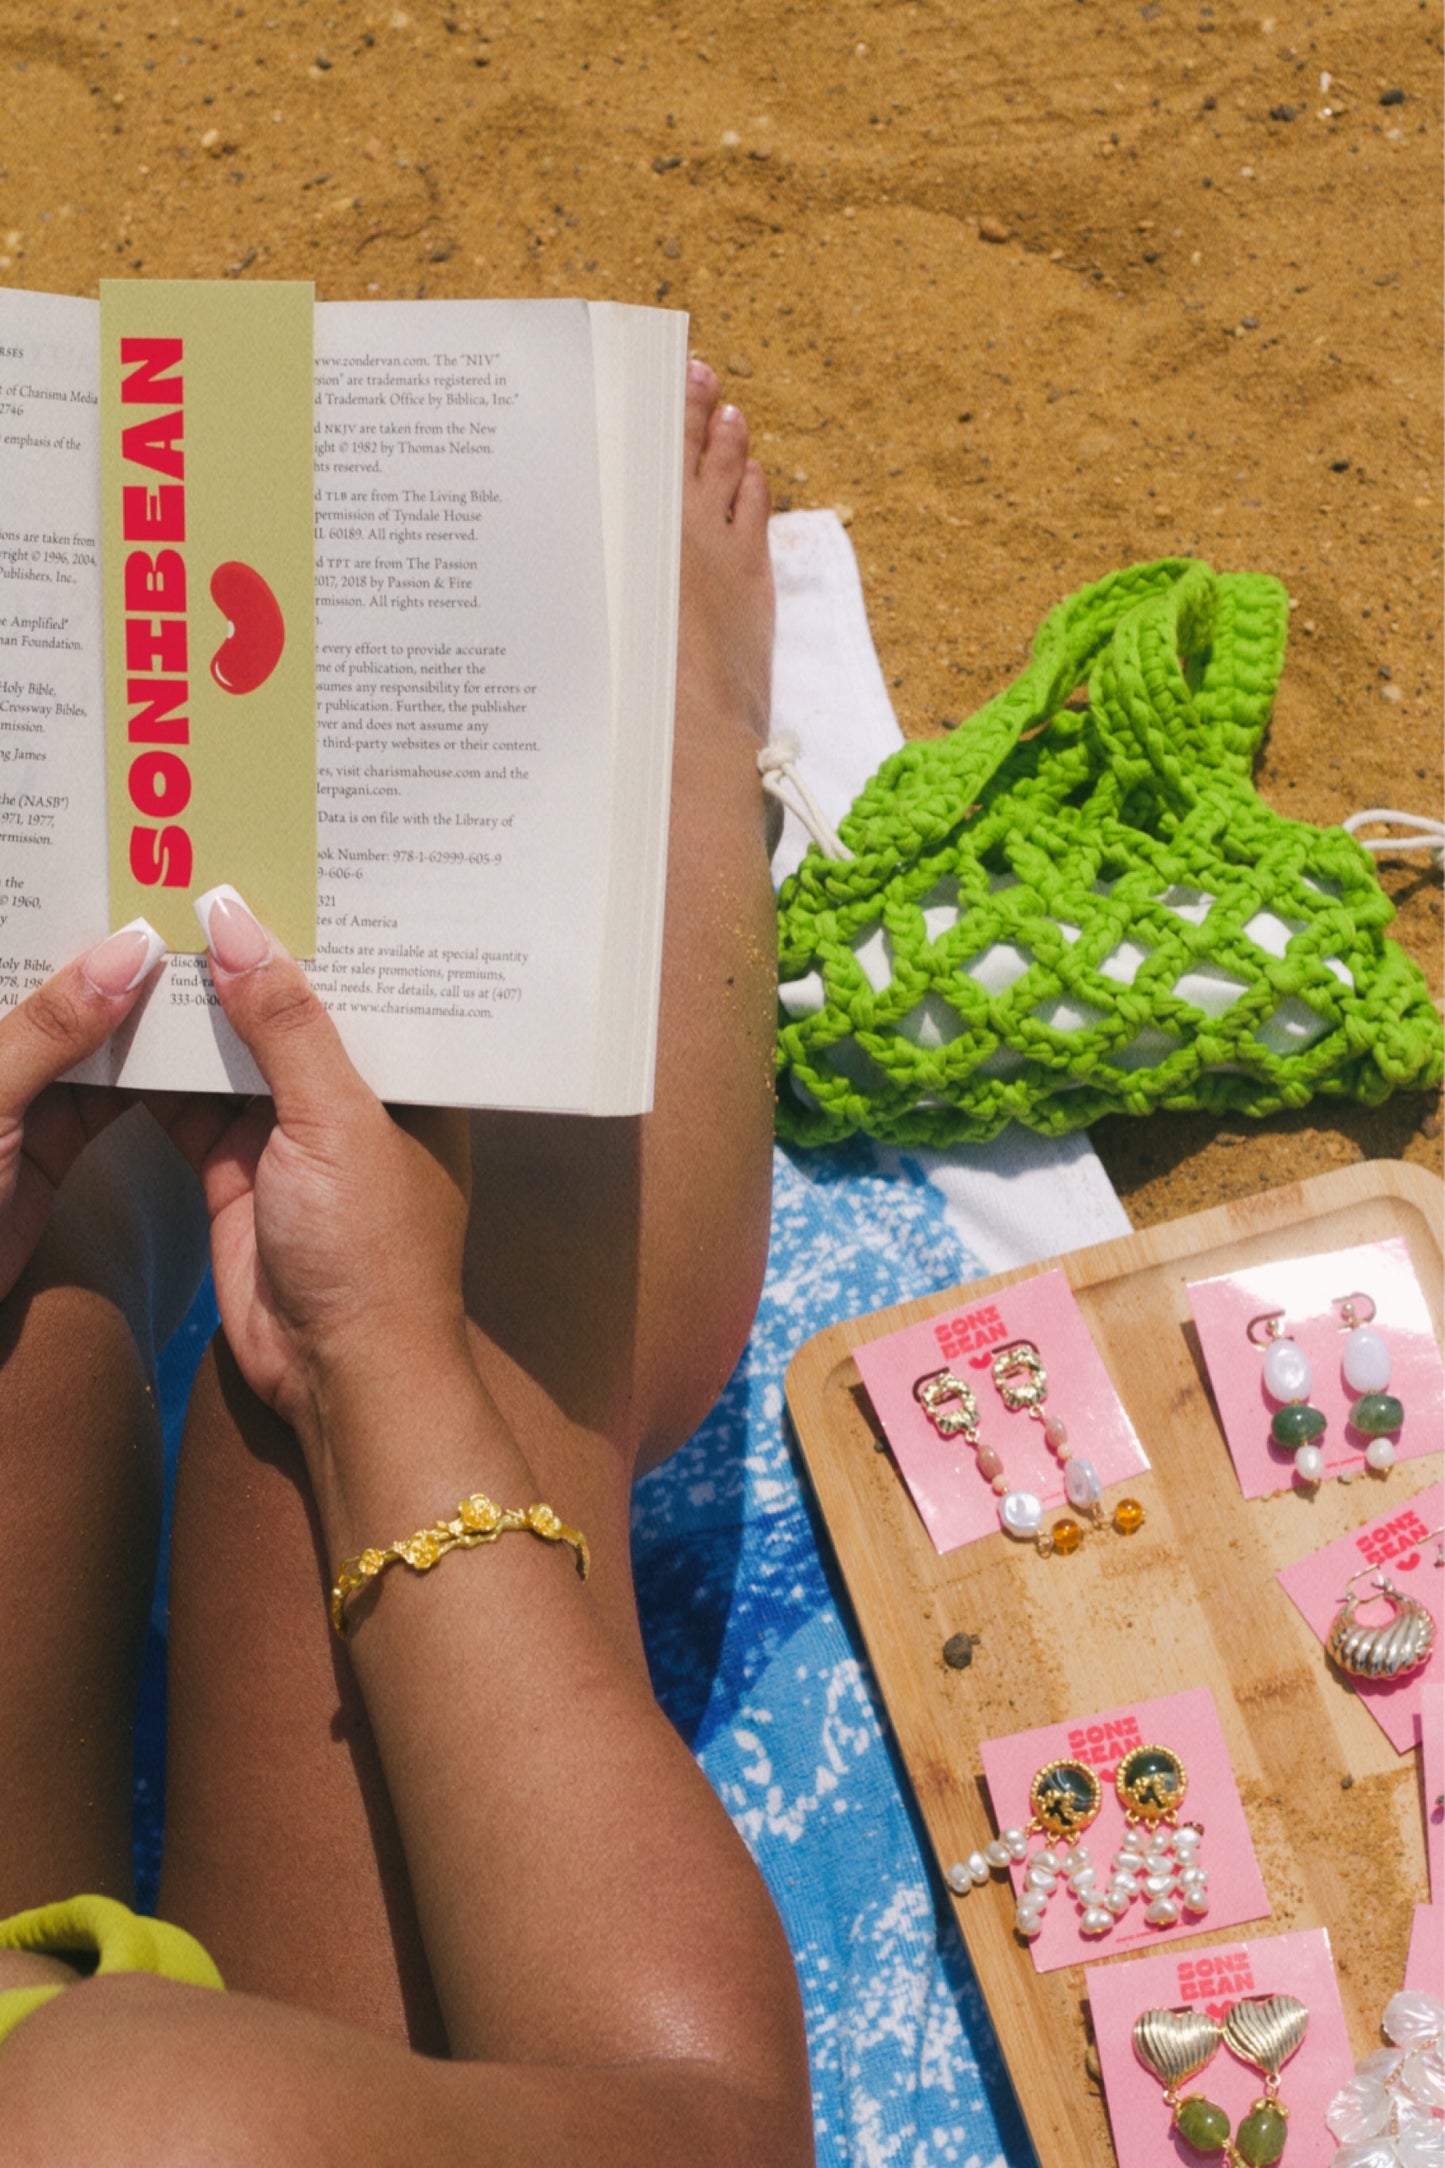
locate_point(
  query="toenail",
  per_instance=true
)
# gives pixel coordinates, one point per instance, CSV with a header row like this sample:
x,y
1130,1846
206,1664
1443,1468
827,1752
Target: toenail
x,y
700,372
729,414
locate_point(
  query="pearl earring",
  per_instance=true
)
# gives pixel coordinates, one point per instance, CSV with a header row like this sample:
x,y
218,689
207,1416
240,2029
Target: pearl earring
x,y
1366,1365
1065,1797
1022,1384
951,1405
1289,1380
1159,1858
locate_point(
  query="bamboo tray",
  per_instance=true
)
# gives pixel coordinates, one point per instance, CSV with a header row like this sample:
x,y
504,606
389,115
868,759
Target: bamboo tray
x,y
1191,1600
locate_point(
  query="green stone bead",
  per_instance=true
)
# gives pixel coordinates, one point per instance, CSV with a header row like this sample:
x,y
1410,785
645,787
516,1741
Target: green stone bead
x,y
1298,1424
1202,2125
1260,2138
1375,1415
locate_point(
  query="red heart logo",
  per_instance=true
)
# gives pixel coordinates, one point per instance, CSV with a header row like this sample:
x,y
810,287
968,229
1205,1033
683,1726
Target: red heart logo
x,y
256,630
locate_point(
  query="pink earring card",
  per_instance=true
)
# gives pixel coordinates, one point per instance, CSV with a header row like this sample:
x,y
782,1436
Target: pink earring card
x,y
1401,1548
1304,1290
1432,1778
955,1501
1212,1981
1186,1723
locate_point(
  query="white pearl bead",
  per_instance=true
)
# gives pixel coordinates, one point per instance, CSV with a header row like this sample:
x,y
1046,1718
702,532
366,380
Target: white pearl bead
x,y
1158,1863
1127,1860
1118,1901
1029,1926
1158,1885
977,1866
1081,1483
1039,1878
1187,1837
1195,1900
1309,1464
1049,1858
1085,1884
1380,1453
1287,1372
1096,1921
1017,1842
997,1854
1197,1880
1162,1913
1020,1514
1366,1360
958,1878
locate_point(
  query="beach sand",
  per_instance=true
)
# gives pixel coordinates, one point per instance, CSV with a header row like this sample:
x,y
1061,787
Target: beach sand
x,y
1027,292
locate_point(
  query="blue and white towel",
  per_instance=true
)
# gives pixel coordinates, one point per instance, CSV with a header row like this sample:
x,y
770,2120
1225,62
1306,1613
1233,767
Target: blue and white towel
x,y
754,1653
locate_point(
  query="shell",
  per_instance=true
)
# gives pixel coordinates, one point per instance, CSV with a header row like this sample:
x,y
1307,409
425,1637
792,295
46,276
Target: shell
x,y
1388,1650
1265,2030
1176,2044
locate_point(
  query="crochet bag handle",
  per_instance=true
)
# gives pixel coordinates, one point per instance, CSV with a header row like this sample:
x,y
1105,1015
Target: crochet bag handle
x,y
1153,722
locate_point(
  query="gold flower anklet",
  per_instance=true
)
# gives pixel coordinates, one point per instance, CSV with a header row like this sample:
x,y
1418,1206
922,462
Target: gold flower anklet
x,y
477,1520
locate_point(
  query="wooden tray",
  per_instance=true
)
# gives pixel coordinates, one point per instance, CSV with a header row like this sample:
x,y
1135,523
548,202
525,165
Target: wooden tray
x,y
1190,1600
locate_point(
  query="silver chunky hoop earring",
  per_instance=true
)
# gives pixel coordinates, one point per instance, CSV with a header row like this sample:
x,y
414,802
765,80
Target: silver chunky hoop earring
x,y
1390,1648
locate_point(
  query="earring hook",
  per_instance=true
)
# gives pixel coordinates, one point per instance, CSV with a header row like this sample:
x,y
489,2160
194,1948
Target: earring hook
x,y
1273,1327
1345,1304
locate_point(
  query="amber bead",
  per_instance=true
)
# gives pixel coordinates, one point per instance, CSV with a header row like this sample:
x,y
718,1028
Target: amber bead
x,y
1128,1515
1067,1535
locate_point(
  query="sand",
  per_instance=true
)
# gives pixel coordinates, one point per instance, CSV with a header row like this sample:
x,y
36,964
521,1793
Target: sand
x,y
1026,291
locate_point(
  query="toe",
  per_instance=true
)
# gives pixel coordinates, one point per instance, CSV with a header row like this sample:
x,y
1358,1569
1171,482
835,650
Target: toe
x,y
702,391
751,503
725,457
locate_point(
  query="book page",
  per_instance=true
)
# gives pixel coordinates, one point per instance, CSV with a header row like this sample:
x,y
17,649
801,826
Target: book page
x,y
53,900
471,711
464,714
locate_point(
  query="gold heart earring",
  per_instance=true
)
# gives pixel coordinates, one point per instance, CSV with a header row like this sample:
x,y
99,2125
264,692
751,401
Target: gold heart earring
x,y
1264,2032
1175,2045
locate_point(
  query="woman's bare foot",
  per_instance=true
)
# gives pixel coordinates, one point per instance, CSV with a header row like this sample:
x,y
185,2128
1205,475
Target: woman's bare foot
x,y
725,637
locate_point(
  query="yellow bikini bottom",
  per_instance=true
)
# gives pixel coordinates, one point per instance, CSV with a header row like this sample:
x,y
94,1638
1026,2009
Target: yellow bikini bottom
x,y
118,1939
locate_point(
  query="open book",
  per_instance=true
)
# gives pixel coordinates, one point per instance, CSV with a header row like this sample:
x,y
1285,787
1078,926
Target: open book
x,y
496,628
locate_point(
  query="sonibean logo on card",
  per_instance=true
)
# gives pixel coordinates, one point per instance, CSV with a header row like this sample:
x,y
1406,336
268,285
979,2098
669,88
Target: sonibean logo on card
x,y
1103,1745
970,1334
255,628
1215,1978
1394,1542
208,564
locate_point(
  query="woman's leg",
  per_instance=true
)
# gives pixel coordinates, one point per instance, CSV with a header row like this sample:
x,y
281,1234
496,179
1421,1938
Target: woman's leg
x,y
80,1505
613,1269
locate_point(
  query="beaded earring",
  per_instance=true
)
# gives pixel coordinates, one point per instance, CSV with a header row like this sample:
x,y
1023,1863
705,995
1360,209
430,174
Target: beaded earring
x,y
1159,1857
1022,1384
951,1405
1289,1379
1366,1365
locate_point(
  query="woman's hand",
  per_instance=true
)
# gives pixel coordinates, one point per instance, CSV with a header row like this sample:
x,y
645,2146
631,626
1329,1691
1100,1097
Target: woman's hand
x,y
336,1233
45,1125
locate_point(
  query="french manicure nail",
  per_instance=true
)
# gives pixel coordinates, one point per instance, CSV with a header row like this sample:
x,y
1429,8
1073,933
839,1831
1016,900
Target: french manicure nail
x,y
235,937
119,963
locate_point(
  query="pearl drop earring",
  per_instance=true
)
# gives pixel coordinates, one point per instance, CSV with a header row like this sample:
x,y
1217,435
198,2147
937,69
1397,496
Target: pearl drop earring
x,y
951,1405
1022,1383
1289,1379
1159,1858
1065,1797
1366,1365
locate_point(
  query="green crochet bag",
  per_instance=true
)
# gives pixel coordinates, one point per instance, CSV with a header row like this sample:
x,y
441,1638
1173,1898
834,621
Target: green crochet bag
x,y
1060,912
